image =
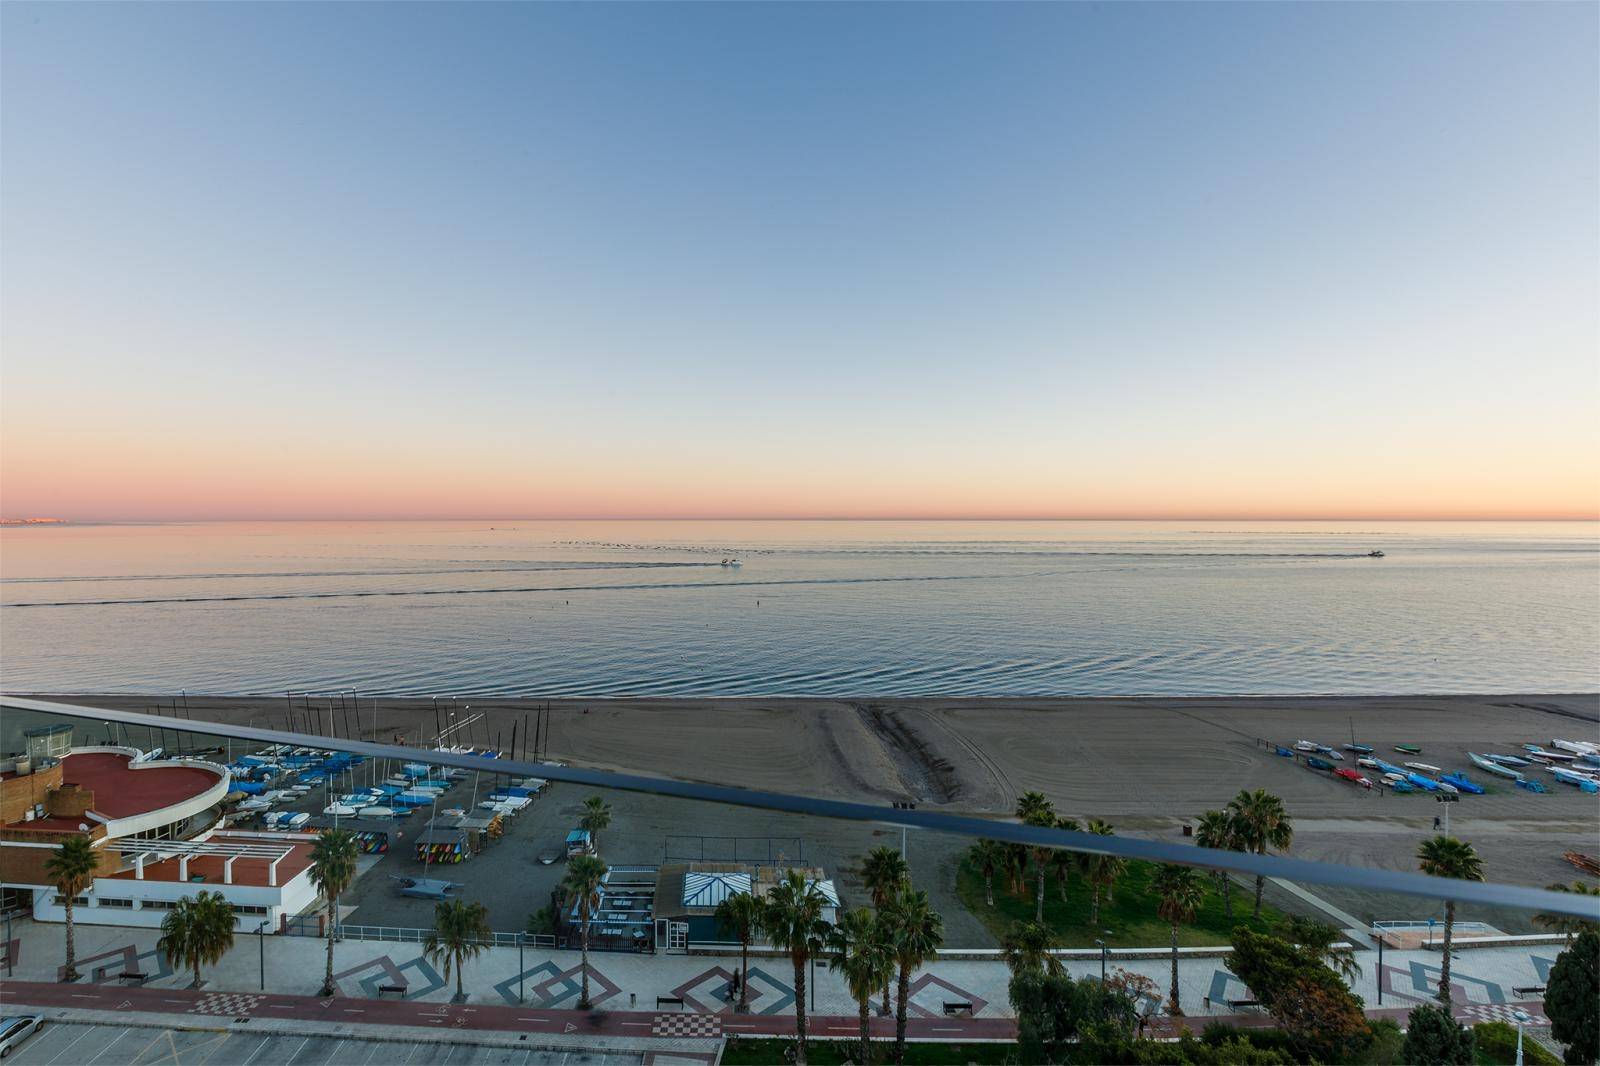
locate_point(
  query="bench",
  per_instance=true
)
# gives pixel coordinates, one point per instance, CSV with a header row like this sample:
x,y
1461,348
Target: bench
x,y
1527,990
668,1001
133,975
399,990
952,1008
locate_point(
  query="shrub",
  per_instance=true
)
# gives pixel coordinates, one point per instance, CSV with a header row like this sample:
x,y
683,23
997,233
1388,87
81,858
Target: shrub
x,y
1497,1042
1434,1039
1572,998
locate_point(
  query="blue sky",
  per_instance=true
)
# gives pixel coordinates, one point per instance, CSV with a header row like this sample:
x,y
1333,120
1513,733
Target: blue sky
x,y
1275,260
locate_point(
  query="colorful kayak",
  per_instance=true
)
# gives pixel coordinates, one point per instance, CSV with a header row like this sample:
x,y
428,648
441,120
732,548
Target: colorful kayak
x,y
1485,762
1359,749
1318,764
1408,749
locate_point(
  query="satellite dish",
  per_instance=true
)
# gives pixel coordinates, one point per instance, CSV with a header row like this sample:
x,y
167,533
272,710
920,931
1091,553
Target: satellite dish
x,y
82,828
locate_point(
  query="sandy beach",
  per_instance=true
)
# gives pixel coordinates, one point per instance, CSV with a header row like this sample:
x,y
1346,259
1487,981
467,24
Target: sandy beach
x,y
1146,765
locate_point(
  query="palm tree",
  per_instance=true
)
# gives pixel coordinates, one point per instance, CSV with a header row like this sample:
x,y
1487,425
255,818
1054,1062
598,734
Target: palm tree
x,y
71,871
1101,871
1568,924
863,955
333,867
987,856
916,931
792,920
197,930
1016,869
1064,861
596,816
1180,890
1027,948
1448,857
1034,809
1262,823
460,932
585,875
740,915
884,871
1218,830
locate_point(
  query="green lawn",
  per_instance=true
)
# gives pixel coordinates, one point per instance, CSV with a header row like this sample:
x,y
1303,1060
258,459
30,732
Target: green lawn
x,y
741,1051
1131,916
1497,1046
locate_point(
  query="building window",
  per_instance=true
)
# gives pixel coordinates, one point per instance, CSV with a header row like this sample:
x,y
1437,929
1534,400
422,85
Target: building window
x,y
241,909
117,903
61,901
158,904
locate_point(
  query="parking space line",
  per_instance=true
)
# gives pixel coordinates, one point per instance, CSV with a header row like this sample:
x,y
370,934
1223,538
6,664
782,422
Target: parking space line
x,y
123,1036
258,1051
86,1031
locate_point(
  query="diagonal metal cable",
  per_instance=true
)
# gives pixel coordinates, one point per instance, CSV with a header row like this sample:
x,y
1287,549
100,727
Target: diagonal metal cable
x,y
1299,870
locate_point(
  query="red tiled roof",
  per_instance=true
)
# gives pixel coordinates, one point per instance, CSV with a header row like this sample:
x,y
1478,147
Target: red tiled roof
x,y
245,871
121,791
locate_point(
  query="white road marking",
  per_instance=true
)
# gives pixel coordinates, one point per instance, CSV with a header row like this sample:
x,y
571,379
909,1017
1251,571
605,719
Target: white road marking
x,y
64,1050
257,1051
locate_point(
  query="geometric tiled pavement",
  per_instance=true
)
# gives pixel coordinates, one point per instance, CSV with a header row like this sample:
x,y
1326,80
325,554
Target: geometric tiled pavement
x,y
548,986
707,991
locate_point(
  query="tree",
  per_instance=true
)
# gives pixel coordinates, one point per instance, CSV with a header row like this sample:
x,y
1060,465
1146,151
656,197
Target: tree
x,y
333,867
1568,924
1572,998
197,930
1141,992
596,817
915,931
1319,940
585,875
987,857
1035,810
71,871
1027,948
1179,891
884,871
1445,856
1312,1004
1260,823
1434,1039
1218,830
1064,1020
1065,862
460,932
792,920
863,955
1101,871
739,915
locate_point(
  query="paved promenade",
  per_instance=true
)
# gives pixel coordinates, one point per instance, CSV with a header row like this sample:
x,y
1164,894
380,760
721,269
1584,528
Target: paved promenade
x,y
539,994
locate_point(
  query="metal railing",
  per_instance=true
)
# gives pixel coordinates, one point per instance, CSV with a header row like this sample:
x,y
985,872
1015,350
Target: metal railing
x,y
1297,870
404,935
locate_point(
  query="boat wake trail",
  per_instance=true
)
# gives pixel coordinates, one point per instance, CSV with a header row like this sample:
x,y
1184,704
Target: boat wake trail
x,y
664,585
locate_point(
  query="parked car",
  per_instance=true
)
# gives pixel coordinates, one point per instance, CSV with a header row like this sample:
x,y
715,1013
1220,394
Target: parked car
x,y
13,1031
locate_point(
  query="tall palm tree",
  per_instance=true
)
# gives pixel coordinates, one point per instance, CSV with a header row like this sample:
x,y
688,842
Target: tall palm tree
x,y
1063,861
740,916
333,867
863,955
71,871
1027,948
1448,857
1016,869
987,857
1218,830
1034,809
197,930
1568,924
1179,890
585,875
916,931
792,920
1101,871
460,932
1261,823
596,817
884,871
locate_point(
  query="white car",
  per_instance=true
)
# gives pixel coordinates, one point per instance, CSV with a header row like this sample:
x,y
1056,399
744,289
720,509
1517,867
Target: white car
x,y
13,1031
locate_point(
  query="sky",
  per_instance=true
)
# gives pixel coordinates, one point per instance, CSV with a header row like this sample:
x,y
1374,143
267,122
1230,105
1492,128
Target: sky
x,y
1125,261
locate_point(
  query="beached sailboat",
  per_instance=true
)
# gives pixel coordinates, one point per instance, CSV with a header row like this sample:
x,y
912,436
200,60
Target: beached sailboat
x,y
1323,749
1360,749
1423,767
1584,782
1408,749
1462,782
1548,756
1507,760
1485,762
1352,776
1577,747
1318,764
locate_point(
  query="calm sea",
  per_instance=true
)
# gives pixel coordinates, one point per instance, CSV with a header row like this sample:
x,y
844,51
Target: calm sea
x,y
824,608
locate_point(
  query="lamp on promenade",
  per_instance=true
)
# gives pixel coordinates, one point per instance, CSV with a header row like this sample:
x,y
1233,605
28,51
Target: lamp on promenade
x,y
261,938
1522,1017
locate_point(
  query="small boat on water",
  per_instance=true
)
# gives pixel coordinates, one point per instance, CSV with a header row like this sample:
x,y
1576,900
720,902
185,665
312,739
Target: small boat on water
x,y
1487,762
1374,555
731,563
1462,782
1359,749
1318,764
1423,767
1507,760
1408,749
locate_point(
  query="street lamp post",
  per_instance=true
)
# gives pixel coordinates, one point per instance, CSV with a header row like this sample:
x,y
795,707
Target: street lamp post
x,y
1101,944
1522,1017
261,939
520,969
1380,967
